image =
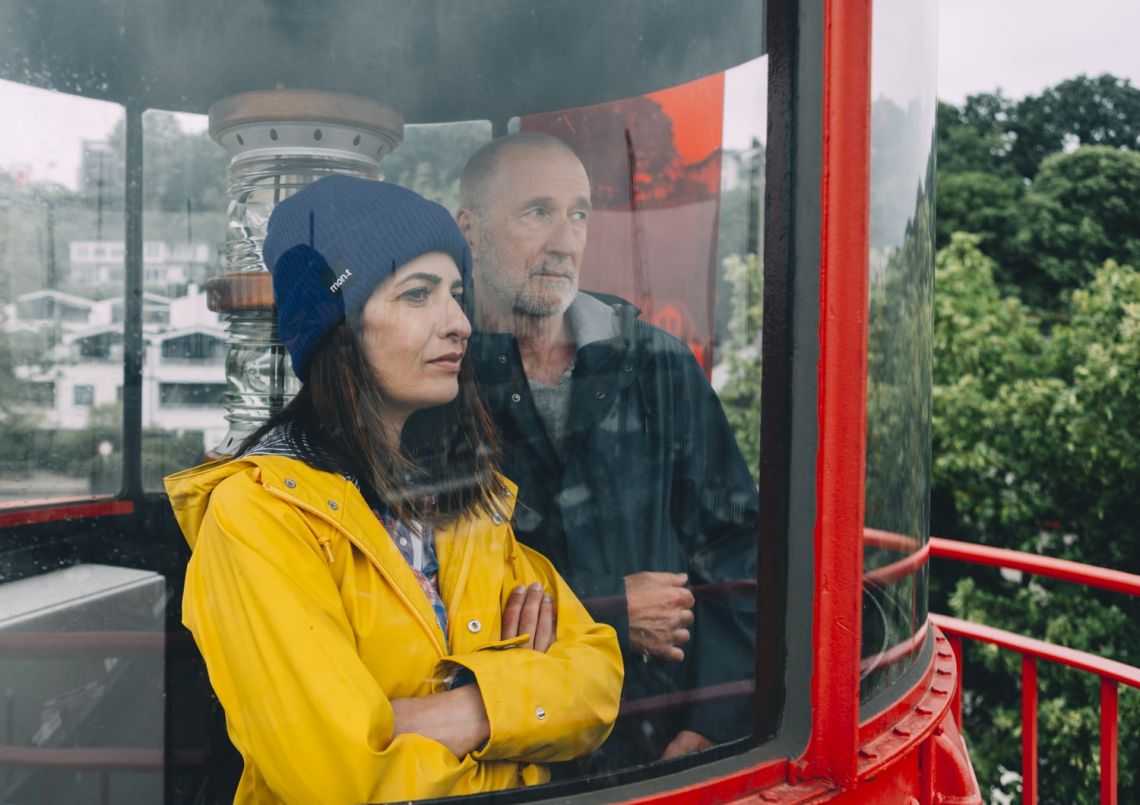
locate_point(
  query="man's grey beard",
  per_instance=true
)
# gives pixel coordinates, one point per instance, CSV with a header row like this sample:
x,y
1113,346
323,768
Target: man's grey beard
x,y
524,303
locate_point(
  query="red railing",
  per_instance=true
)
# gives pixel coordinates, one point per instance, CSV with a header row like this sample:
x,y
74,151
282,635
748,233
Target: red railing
x,y
1111,673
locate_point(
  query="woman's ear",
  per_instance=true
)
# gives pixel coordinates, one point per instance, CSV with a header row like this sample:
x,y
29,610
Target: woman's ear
x,y
467,219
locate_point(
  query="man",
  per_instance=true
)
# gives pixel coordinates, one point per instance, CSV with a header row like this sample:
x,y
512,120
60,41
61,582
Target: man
x,y
630,479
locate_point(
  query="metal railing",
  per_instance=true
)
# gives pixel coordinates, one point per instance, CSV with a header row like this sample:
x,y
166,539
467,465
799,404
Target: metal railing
x,y
1110,672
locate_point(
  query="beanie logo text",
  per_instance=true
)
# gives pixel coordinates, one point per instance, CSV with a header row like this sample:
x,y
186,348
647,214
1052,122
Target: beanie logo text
x,y
340,281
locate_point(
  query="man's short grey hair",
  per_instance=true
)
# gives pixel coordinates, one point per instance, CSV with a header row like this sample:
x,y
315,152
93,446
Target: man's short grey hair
x,y
483,164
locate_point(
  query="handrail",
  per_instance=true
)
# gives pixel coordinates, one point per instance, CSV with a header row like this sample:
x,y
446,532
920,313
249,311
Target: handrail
x,y
1063,569
1040,650
1110,672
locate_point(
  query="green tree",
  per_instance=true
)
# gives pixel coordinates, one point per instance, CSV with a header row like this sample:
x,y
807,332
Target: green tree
x,y
182,172
431,158
1080,211
1104,110
740,395
975,138
1035,446
987,205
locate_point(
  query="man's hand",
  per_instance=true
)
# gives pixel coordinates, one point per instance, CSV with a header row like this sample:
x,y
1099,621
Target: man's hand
x,y
530,611
660,610
686,743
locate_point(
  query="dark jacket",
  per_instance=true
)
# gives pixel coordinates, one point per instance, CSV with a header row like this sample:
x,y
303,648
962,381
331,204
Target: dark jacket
x,y
652,480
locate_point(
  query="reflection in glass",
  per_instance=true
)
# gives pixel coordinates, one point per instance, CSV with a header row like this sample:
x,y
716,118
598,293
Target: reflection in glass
x,y
61,274
899,341
701,282
183,212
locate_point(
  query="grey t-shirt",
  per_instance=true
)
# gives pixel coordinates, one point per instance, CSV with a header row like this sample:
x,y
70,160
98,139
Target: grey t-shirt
x,y
589,320
553,406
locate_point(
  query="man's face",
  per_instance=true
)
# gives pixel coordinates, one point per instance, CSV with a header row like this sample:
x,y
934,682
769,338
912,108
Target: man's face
x,y
529,237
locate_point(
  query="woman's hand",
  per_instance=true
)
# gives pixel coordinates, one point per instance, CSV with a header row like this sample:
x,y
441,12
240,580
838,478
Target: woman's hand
x,y
455,718
530,611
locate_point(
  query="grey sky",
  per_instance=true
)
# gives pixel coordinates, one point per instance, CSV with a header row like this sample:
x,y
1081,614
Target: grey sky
x,y
1024,46
1021,46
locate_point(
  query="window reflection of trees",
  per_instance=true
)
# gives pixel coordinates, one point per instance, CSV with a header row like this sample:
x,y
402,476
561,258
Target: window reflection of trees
x,y
898,389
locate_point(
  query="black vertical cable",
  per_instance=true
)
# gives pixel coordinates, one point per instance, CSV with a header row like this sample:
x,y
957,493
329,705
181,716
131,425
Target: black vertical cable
x,y
133,347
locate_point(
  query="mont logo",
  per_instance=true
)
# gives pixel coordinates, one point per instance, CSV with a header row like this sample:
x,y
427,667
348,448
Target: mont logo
x,y
340,280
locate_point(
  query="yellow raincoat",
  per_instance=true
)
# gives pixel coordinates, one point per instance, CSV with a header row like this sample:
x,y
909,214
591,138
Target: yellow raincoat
x,y
310,621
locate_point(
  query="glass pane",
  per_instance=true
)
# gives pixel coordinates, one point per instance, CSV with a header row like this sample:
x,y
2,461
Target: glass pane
x,y
662,108
61,270
184,371
899,325
81,639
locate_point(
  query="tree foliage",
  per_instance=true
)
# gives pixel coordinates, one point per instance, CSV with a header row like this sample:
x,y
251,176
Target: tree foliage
x,y
1036,445
1104,110
181,171
740,395
1036,425
431,158
1080,211
1048,183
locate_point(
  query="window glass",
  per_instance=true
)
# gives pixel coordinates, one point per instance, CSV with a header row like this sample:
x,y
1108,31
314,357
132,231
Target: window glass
x,y
81,625
60,350
899,347
662,114
184,224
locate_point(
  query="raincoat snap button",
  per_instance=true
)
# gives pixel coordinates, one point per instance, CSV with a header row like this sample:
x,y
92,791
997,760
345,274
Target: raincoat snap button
x,y
539,713
599,395
497,519
627,367
474,626
502,359
333,505
289,482
506,490
516,397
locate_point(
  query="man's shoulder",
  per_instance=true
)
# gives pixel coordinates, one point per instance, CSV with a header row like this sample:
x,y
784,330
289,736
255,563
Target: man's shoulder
x,y
642,333
656,338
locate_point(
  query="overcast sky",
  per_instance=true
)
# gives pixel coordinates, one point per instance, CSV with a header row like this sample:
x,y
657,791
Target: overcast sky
x,y
1021,46
1024,46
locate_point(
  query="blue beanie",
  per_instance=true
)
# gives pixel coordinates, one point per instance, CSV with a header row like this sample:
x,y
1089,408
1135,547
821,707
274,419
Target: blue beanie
x,y
330,244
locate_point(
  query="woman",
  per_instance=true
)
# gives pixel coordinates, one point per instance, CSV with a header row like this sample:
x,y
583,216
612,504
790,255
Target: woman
x,y
370,625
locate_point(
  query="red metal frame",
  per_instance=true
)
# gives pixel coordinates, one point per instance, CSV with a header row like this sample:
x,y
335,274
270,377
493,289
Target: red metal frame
x,y
1111,673
45,511
1040,650
1108,739
1028,729
841,465
1086,575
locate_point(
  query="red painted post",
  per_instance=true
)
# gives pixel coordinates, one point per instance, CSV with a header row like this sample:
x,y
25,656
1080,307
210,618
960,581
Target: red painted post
x,y
1028,730
841,457
1108,730
957,646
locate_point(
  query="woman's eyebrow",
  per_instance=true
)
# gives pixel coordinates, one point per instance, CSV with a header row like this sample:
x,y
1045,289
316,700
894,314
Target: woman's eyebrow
x,y
422,277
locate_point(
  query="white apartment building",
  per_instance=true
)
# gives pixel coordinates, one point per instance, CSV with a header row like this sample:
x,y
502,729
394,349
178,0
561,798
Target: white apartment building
x,y
98,262
183,370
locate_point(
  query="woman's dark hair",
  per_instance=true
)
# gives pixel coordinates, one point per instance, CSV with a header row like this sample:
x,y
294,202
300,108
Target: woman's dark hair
x,y
444,466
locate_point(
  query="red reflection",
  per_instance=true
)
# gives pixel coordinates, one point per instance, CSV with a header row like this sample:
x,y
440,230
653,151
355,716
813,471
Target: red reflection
x,y
654,163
